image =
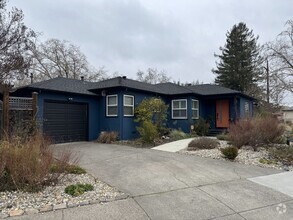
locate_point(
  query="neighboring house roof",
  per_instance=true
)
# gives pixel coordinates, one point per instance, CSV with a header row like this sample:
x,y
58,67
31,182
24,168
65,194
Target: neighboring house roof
x,y
63,85
287,109
89,88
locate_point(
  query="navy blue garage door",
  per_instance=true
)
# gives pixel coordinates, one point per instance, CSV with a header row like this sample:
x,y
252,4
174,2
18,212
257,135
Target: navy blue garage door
x,y
65,121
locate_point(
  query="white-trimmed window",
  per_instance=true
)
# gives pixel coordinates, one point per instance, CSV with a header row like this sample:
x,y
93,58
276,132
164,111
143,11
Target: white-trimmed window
x,y
195,109
128,107
179,109
112,105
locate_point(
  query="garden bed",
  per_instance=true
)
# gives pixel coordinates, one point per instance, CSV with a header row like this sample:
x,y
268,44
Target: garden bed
x,y
53,197
245,156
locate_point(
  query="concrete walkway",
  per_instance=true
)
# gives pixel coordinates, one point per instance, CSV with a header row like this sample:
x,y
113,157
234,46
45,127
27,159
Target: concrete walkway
x,y
174,146
282,182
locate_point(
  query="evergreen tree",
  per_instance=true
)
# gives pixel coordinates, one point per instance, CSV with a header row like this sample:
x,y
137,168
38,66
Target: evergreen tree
x,y
239,65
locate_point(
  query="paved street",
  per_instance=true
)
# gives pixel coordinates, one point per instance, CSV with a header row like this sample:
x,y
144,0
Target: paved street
x,y
164,185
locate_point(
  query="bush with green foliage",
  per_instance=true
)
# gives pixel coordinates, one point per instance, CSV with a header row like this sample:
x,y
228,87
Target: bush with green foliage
x,y
177,134
256,132
230,152
223,137
201,127
153,110
284,154
202,143
148,132
78,189
108,137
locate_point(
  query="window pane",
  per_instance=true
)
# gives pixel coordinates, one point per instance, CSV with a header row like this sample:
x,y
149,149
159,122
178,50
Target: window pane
x,y
112,110
194,104
175,104
128,100
182,113
183,104
176,113
195,113
128,110
112,100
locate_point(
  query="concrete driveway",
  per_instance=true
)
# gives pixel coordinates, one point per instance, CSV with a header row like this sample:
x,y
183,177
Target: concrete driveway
x,y
165,185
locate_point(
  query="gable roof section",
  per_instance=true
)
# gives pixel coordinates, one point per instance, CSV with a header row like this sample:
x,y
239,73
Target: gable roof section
x,y
124,82
61,84
173,89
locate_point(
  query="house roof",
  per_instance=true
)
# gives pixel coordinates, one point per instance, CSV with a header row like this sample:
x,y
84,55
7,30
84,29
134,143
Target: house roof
x,y
89,88
124,82
63,85
211,89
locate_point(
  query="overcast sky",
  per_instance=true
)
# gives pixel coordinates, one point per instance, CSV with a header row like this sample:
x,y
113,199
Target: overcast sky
x,y
178,36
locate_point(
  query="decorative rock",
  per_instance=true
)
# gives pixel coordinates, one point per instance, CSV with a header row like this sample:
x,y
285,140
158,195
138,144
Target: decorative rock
x,y
46,208
95,201
17,212
60,206
84,203
31,211
2,215
72,205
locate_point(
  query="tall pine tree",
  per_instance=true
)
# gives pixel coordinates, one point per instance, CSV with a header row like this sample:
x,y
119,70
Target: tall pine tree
x,y
238,66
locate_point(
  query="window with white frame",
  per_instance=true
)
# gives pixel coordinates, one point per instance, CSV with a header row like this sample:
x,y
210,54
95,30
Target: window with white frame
x,y
195,109
179,109
112,105
128,107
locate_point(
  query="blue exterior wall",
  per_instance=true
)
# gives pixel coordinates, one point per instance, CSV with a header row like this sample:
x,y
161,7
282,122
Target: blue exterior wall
x,y
125,125
93,110
242,113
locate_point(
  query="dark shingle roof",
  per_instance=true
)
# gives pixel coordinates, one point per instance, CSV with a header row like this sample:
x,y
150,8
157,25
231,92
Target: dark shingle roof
x,y
173,89
124,82
63,85
210,89
89,88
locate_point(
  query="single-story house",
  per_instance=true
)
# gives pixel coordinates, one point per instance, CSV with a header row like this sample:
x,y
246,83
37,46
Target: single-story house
x,y
287,114
76,110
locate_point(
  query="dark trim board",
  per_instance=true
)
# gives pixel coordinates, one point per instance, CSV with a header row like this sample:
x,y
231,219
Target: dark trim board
x,y
65,121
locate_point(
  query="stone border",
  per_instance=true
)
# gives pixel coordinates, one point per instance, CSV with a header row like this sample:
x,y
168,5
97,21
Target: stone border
x,y
56,207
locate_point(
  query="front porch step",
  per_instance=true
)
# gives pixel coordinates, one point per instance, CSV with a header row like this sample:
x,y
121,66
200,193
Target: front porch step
x,y
214,132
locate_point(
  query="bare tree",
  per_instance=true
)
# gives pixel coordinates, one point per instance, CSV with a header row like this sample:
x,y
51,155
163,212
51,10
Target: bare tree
x,y
15,43
55,58
280,53
152,76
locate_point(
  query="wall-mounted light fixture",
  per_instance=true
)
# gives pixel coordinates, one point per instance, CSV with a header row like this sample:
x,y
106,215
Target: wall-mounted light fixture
x,y
70,99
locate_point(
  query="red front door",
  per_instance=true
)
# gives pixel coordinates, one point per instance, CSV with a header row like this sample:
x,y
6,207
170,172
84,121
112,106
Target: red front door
x,y
222,113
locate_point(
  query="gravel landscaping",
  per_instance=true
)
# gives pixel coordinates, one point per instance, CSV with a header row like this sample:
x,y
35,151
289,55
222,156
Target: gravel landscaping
x,y
245,156
53,197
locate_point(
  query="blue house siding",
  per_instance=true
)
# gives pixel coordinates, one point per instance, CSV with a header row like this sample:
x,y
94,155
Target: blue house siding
x,y
242,102
93,109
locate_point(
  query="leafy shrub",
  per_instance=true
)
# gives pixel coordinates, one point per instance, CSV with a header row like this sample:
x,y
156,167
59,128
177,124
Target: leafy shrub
x,y
223,137
267,161
283,154
78,189
230,152
153,110
256,132
201,127
108,137
202,143
26,164
148,132
177,134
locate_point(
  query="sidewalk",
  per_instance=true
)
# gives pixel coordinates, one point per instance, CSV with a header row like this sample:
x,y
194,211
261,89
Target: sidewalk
x,y
174,146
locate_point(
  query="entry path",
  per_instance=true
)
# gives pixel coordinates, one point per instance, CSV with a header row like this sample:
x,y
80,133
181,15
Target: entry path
x,y
164,185
174,146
